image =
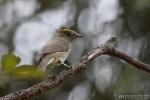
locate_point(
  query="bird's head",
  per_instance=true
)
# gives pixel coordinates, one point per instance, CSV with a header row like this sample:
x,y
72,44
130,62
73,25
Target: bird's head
x,y
68,33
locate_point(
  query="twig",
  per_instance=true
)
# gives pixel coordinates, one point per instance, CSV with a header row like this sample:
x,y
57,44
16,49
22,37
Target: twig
x,y
121,55
104,49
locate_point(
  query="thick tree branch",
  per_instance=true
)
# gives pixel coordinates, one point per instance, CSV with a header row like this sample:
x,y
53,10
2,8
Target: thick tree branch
x,y
104,49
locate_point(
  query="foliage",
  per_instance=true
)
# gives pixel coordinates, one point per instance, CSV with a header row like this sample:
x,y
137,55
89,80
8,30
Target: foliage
x,y
9,62
14,71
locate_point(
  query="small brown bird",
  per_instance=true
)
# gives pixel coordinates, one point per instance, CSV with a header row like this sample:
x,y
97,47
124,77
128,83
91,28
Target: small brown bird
x,y
56,51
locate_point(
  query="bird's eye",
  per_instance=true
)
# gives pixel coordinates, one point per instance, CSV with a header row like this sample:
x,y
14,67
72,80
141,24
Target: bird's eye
x,y
68,34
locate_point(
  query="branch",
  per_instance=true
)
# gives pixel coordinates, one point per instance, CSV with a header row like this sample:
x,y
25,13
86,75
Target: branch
x,y
104,49
121,55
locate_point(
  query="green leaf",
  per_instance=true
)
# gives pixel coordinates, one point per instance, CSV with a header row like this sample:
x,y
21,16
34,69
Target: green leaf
x,y
9,62
27,72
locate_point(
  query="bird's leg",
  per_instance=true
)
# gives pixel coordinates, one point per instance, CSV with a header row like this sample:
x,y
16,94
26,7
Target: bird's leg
x,y
62,63
65,65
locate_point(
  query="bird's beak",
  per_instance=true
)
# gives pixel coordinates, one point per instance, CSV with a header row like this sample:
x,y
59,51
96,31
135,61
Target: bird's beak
x,y
79,35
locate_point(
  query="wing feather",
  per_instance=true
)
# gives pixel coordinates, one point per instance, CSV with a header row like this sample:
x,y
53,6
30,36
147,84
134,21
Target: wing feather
x,y
57,45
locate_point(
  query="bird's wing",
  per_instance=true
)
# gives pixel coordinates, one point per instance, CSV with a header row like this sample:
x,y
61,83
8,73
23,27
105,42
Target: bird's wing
x,y
53,47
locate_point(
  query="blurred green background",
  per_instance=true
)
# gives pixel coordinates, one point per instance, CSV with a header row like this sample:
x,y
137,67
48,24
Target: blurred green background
x,y
26,25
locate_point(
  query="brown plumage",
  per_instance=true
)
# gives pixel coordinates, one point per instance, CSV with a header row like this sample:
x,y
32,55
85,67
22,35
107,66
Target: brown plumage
x,y
56,51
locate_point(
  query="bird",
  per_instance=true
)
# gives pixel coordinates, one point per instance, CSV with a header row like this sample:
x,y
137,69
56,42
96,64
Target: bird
x,y
57,50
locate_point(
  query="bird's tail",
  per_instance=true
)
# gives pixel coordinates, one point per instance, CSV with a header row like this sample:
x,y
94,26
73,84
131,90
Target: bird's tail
x,y
44,63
